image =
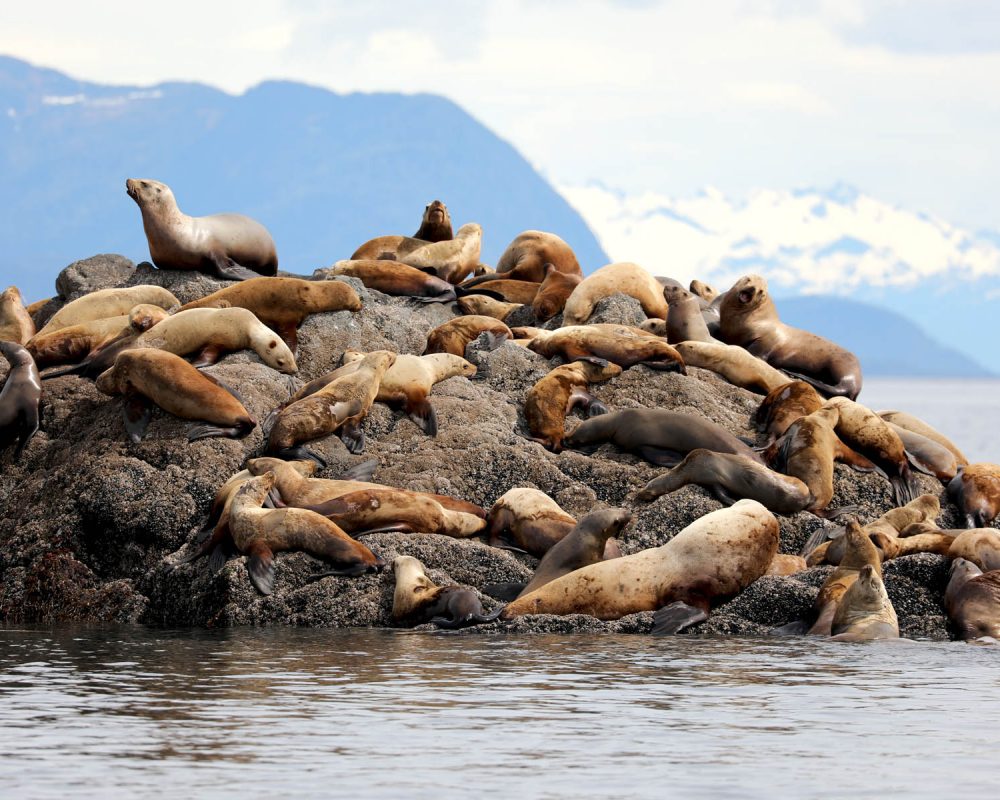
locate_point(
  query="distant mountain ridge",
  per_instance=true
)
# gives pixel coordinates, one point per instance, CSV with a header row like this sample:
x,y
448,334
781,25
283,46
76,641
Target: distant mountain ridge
x,y
324,172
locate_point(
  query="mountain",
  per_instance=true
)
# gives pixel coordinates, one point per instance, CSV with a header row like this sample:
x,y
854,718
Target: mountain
x,y
942,279
324,172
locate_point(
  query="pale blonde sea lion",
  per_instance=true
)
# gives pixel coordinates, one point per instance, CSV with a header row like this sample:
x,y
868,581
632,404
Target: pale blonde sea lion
x,y
618,278
734,364
75,343
530,255
452,260
108,303
620,344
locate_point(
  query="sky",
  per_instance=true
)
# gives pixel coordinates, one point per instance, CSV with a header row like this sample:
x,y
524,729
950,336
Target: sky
x,y
901,99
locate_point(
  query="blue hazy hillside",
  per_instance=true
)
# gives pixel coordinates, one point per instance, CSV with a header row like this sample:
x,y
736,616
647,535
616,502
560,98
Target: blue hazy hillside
x,y
324,172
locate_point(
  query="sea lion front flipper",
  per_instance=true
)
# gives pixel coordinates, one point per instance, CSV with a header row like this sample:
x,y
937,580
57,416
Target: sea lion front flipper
x,y
229,270
208,356
676,617
722,495
352,436
260,565
816,539
660,456
299,453
854,459
423,415
504,591
363,472
137,411
224,550
206,431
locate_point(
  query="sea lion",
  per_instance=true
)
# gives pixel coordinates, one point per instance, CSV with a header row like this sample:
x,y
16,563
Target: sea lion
x,y
507,291
210,332
748,318
283,303
684,320
730,478
859,552
891,547
870,435
108,303
975,489
553,293
783,406
713,558
620,278
341,406
532,253
657,327
456,334
912,423
620,344
484,306
864,611
972,600
785,564
981,546
155,376
659,436
418,600
435,225
230,246
452,260
259,533
408,382
20,398
734,364
558,393
528,519
15,321
703,290
926,455
398,279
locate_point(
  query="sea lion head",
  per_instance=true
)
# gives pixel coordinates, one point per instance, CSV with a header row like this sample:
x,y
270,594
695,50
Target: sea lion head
x,y
150,194
17,355
145,315
469,229
604,524
271,349
436,213
657,327
553,293
871,594
676,294
11,294
748,293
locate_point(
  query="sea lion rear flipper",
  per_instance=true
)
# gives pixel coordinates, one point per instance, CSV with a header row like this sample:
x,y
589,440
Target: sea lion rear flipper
x,y
824,622
918,465
260,565
504,591
352,436
660,456
798,628
208,355
722,495
593,407
364,471
137,411
422,413
816,538
229,270
825,389
299,453
206,431
676,617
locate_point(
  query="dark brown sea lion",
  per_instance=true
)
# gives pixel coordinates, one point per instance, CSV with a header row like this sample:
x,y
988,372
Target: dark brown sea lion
x,y
558,393
16,324
529,256
783,406
972,600
283,303
620,344
20,398
619,278
435,225
916,425
230,246
976,492
106,303
147,376
555,289
730,478
749,319
418,600
864,611
456,334
684,320
396,278
659,436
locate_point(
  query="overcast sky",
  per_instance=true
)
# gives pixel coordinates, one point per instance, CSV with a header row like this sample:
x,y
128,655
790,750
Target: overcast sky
x,y
901,99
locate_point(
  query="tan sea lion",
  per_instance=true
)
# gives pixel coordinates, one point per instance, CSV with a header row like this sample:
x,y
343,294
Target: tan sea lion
x,y
714,558
528,519
972,600
784,405
418,600
396,278
858,553
730,478
684,320
452,260
503,289
619,278
108,303
409,381
210,332
20,398
975,489
283,303
553,293
15,321
749,319
146,376
558,393
734,364
340,406
785,564
894,547
230,246
703,290
485,306
456,334
435,225
620,344
928,456
916,425
981,546
864,611
259,533
530,255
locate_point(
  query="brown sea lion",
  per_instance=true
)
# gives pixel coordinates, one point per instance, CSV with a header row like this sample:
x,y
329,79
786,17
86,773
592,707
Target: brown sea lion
x,y
340,406
435,225
230,246
558,393
659,436
395,278
864,611
555,289
147,376
981,546
858,553
785,564
713,558
530,255
20,398
730,478
528,519
106,303
749,319
972,600
703,290
928,456
283,303
211,332
785,404
456,334
409,381
390,509
619,278
485,306
418,600
15,321
259,533
975,489
916,425
620,344
734,364
505,290
684,320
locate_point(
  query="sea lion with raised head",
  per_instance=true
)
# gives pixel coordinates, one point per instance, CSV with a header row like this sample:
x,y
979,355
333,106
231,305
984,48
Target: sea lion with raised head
x,y
553,293
859,552
703,291
485,306
619,278
435,225
397,279
230,246
532,253
456,334
733,363
972,601
975,489
417,600
917,425
748,318
16,324
558,393
620,344
20,398
106,303
684,320
864,611
784,405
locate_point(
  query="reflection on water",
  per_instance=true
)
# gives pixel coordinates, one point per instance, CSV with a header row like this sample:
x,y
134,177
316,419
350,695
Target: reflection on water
x,y
319,712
